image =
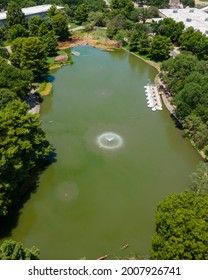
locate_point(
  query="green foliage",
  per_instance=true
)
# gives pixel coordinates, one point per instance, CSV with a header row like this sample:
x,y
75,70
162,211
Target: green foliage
x,y
196,130
22,144
114,25
29,54
15,15
60,26
52,11
194,41
160,47
16,80
50,43
121,4
34,24
121,7
81,13
199,182
17,31
5,97
159,3
139,40
181,228
186,77
43,29
188,3
4,53
169,28
3,34
96,18
13,250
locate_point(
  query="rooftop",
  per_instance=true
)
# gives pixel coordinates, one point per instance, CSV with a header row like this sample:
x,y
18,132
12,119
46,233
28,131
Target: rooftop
x,y
193,17
32,10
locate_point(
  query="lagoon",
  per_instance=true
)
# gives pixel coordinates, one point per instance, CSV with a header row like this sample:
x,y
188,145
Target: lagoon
x,y
93,199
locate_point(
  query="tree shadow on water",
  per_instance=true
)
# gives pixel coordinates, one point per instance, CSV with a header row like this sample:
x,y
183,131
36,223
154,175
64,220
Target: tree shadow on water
x,y
177,122
26,189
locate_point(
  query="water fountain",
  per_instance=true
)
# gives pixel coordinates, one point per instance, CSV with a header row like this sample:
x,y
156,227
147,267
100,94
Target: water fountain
x,y
109,140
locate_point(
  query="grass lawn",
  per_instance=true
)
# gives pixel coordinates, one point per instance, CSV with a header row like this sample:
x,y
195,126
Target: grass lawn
x,y
72,25
99,34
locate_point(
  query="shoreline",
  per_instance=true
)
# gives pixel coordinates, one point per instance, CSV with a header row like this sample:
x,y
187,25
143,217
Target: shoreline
x,y
165,98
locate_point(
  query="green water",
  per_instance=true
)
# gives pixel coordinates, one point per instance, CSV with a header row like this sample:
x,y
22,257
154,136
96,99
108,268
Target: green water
x,y
92,201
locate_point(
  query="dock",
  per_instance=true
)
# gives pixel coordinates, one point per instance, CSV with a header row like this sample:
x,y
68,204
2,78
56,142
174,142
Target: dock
x,y
153,97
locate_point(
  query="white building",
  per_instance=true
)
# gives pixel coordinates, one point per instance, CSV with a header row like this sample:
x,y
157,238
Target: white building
x,y
31,11
196,18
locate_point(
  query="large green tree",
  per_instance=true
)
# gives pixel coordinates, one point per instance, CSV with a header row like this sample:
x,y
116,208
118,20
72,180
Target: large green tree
x,y
15,15
194,41
6,96
181,228
29,54
160,47
60,25
13,250
169,28
15,80
22,145
17,31
34,25
81,13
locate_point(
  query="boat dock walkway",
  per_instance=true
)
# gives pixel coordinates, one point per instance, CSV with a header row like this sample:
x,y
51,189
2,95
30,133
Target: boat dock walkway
x,y
153,97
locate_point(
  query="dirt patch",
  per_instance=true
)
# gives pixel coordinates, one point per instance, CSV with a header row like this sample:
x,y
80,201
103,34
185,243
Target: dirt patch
x,y
88,40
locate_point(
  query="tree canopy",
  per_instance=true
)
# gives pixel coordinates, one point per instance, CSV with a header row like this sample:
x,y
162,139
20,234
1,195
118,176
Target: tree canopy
x,y
15,80
13,250
22,144
29,54
181,228
15,15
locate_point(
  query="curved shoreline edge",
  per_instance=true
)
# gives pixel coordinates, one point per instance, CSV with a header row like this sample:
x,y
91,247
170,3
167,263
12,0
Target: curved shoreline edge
x,y
166,102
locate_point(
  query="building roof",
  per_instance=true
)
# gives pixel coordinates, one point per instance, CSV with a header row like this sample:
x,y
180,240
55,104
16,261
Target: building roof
x,y
32,10
191,17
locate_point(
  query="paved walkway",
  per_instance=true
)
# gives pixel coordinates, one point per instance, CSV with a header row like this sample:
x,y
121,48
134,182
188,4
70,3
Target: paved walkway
x,y
33,102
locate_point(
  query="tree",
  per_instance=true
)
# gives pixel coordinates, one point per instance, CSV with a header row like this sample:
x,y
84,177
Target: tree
x,y
194,41
15,15
34,24
15,80
97,18
81,13
188,3
50,43
114,25
13,250
160,47
5,97
159,3
144,14
29,54
60,26
181,228
169,28
22,145
43,29
17,31
52,11
199,179
3,34
4,53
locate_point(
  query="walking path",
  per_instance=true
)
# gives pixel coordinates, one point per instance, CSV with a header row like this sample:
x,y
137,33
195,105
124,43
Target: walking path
x,y
33,102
